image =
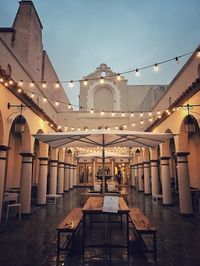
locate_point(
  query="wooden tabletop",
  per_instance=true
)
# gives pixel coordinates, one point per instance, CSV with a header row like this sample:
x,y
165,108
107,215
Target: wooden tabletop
x,y
95,204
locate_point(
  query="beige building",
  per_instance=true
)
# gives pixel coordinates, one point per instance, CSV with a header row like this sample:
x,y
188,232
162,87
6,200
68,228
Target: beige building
x,y
38,103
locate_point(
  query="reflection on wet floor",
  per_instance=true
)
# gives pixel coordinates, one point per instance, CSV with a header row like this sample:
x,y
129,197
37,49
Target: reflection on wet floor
x,y
32,241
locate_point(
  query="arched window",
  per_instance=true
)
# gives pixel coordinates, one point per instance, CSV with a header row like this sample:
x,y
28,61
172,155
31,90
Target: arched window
x,y
198,71
9,70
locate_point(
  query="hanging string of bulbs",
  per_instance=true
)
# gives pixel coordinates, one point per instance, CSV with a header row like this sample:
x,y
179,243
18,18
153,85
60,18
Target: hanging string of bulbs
x,y
20,88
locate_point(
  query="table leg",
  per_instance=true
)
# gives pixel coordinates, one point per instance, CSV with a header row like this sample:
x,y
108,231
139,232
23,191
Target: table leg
x,y
84,223
127,230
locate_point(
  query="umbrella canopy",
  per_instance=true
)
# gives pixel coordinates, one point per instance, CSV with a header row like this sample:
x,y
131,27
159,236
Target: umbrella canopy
x,y
104,138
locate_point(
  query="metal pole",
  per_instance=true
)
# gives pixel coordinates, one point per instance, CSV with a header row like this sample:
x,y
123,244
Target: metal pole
x,y
103,165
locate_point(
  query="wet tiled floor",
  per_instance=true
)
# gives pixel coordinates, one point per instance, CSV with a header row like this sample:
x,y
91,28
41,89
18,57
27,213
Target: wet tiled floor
x,y
32,241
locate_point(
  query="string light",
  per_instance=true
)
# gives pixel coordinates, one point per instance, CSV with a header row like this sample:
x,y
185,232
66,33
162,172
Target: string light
x,y
118,77
150,114
102,80
156,67
19,90
1,80
177,60
44,85
132,114
32,84
137,73
11,82
20,83
113,114
141,114
45,100
57,85
59,127
56,103
141,122
198,52
91,111
71,84
6,84
69,106
85,82
158,112
102,112
123,114
32,95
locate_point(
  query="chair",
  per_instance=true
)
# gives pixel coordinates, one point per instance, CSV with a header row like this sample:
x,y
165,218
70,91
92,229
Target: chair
x,y
11,201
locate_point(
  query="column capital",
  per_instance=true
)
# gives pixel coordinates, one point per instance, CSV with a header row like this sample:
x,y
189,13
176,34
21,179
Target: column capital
x,y
53,161
154,161
181,154
165,158
43,158
27,154
4,148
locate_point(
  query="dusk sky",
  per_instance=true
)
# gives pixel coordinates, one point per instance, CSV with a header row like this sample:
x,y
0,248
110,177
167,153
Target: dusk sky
x,y
79,35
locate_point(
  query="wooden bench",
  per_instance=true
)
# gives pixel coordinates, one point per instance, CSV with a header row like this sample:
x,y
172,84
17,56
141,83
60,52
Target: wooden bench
x,y
68,227
142,226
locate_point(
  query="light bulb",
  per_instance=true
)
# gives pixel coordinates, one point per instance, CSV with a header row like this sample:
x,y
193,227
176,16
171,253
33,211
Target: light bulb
x,y
85,82
150,114
56,103
32,94
1,80
19,90
132,114
102,112
69,106
137,73
113,114
102,80
118,77
123,114
71,84
156,67
11,82
45,100
32,84
133,124
44,85
141,114
91,111
57,85
20,83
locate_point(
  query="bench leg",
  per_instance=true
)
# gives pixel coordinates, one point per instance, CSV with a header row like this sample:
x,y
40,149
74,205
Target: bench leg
x,y
155,247
58,246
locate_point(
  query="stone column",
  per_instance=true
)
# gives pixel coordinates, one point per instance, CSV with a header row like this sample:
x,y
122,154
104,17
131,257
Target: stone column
x,y
131,175
134,166
75,175
71,176
166,181
185,198
93,170
61,167
137,176
113,170
154,177
140,177
147,185
66,177
42,181
53,177
3,151
25,182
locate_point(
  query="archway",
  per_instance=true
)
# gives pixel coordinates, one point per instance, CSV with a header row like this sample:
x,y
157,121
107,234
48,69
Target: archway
x,y
18,142
190,142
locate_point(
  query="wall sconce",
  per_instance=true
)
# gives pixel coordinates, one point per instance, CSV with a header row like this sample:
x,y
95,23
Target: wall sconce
x,y
19,120
189,124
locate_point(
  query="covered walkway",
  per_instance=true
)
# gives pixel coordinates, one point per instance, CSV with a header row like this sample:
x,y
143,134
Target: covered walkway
x,y
32,241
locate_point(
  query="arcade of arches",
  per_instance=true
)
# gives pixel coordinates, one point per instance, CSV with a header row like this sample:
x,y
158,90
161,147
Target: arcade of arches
x,y
36,169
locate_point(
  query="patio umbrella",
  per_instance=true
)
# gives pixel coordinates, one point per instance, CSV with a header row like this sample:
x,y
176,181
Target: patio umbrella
x,y
104,138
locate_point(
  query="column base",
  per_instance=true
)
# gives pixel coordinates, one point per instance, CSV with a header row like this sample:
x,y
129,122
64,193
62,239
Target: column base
x,y
141,190
167,205
147,194
40,205
66,190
